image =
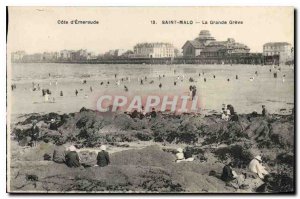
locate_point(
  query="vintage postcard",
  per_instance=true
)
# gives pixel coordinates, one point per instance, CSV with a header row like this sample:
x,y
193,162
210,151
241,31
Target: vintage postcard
x,y
150,100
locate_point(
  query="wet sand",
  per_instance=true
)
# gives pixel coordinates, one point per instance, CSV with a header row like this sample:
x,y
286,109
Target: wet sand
x,y
245,95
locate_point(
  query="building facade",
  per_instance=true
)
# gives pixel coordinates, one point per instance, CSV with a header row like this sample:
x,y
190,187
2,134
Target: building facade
x,y
17,56
193,48
283,49
224,48
153,50
206,46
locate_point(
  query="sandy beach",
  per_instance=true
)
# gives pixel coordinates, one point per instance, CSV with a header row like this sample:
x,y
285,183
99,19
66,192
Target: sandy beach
x,y
143,150
245,95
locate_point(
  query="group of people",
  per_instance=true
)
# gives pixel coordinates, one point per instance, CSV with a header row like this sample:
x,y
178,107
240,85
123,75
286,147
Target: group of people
x,y
71,158
184,156
228,113
237,181
193,91
141,114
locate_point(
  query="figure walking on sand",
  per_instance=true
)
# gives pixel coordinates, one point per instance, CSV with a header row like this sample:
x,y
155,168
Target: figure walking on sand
x,y
46,97
194,91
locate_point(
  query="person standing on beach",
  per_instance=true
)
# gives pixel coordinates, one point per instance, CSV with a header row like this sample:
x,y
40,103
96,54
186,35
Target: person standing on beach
x,y
91,88
264,111
160,85
125,88
194,91
76,92
35,132
46,97
61,93
103,157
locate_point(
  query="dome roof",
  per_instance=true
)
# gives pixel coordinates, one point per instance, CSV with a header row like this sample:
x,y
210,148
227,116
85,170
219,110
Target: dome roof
x,y
204,35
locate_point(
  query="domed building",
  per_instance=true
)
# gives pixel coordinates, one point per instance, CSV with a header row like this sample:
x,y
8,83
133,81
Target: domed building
x,y
205,37
193,48
206,45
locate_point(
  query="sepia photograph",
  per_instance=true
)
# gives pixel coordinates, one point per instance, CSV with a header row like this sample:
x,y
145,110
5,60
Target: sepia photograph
x,y
151,100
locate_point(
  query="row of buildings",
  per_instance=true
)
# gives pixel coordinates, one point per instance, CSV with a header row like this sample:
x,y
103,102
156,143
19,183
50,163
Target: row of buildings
x,y
205,47
63,55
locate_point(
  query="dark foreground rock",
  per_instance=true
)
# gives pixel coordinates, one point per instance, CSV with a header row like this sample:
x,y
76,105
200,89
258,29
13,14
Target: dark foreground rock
x,y
211,141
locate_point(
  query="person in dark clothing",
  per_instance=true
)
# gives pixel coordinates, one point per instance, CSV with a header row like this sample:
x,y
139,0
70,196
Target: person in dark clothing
x,y
231,109
72,158
103,157
134,114
264,111
153,113
234,117
76,92
227,174
35,132
53,125
188,153
59,154
194,92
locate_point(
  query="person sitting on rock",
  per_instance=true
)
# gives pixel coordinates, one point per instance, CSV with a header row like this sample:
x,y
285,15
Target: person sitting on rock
x,y
153,113
179,155
103,157
53,125
234,117
231,178
188,154
230,108
72,158
184,156
59,154
224,115
255,166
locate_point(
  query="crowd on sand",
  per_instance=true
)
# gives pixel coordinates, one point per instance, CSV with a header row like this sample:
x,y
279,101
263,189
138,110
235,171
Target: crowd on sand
x,y
48,95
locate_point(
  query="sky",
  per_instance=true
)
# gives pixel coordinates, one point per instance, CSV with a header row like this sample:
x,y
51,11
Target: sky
x,y
36,29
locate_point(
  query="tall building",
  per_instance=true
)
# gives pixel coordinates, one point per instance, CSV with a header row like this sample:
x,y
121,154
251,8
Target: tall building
x,y
283,49
65,54
206,46
154,50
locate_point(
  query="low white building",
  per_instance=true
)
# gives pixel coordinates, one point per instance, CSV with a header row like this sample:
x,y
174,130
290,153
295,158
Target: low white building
x,y
154,50
17,56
